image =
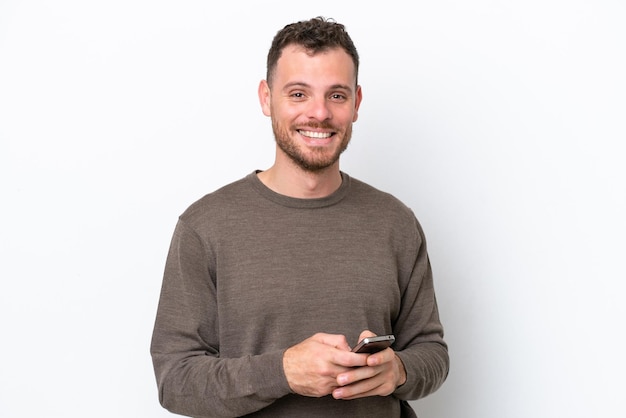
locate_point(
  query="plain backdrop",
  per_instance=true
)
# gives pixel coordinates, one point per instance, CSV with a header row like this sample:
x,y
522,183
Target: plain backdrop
x,y
500,123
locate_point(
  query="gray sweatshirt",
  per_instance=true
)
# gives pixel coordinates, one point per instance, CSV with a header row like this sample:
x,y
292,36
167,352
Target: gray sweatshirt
x,y
251,272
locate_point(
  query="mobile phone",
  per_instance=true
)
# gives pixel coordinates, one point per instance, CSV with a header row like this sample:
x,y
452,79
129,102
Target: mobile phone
x,y
374,344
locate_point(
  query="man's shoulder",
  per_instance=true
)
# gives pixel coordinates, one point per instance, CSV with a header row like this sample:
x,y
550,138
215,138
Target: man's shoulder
x,y
371,195
387,210
219,200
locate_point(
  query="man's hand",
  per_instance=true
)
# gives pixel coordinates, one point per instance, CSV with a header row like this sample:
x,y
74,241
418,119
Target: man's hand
x,y
383,373
312,367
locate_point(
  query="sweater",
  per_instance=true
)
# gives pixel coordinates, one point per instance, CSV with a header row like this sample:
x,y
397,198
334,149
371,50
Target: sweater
x,y
251,272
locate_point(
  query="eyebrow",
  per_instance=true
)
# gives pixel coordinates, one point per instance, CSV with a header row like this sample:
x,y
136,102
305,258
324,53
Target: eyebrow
x,y
303,84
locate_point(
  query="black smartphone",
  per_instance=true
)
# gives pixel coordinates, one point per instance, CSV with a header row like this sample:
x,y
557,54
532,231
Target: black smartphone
x,y
374,344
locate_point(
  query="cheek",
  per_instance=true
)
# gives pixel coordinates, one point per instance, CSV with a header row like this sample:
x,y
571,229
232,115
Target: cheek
x,y
284,113
346,117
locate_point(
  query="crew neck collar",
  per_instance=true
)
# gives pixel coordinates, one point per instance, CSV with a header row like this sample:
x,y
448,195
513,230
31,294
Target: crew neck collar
x,y
294,202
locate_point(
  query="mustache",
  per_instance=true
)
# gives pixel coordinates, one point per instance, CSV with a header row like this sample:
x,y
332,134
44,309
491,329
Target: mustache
x,y
318,125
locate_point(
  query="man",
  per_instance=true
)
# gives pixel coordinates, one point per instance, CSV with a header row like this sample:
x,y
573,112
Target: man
x,y
271,279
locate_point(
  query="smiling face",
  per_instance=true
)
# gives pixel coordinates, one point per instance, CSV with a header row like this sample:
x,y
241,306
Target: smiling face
x,y
313,101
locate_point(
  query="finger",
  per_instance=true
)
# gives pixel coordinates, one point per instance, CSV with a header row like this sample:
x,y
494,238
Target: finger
x,y
349,394
357,374
363,388
366,333
383,356
334,340
349,360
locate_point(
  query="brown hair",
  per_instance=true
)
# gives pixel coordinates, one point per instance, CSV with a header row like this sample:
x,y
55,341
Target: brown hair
x,y
315,35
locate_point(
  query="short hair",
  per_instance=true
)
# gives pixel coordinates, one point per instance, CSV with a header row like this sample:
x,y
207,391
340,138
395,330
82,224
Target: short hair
x,y
315,35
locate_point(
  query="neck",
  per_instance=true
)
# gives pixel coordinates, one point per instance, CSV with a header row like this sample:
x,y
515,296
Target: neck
x,y
293,181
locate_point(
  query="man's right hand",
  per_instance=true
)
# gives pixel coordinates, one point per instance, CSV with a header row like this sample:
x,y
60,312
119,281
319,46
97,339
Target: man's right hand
x,y
312,366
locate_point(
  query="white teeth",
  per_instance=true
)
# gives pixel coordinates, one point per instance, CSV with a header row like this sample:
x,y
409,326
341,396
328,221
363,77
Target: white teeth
x,y
320,135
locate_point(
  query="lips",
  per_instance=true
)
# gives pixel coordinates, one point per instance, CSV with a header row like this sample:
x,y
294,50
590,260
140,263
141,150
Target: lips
x,y
315,135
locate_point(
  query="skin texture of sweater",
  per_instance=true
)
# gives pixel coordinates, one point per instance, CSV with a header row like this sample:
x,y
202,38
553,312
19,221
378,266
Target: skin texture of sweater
x,y
251,272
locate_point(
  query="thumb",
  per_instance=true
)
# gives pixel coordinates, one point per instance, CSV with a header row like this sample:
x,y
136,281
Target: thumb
x,y
366,333
334,340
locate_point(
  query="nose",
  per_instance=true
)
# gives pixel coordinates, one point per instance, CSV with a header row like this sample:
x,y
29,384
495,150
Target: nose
x,y
318,109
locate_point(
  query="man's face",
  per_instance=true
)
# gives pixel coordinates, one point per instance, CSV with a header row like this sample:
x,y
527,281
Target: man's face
x,y
313,102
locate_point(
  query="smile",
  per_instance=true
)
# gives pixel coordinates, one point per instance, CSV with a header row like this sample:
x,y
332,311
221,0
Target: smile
x,y
317,135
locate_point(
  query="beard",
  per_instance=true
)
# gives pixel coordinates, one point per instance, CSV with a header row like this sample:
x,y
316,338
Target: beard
x,y
312,159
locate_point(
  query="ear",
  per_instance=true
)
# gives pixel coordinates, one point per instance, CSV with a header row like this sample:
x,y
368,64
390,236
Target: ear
x,y
357,102
264,97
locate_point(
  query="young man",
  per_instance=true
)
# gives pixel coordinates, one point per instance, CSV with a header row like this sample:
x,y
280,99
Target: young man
x,y
271,279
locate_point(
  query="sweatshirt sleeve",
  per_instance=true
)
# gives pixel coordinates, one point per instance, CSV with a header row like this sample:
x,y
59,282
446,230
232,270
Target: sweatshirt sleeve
x,y
418,329
191,376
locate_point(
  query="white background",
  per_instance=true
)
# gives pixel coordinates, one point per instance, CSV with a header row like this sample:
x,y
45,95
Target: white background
x,y
500,123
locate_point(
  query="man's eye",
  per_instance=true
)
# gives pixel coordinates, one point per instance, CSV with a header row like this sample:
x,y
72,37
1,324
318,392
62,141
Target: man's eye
x,y
298,95
338,96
